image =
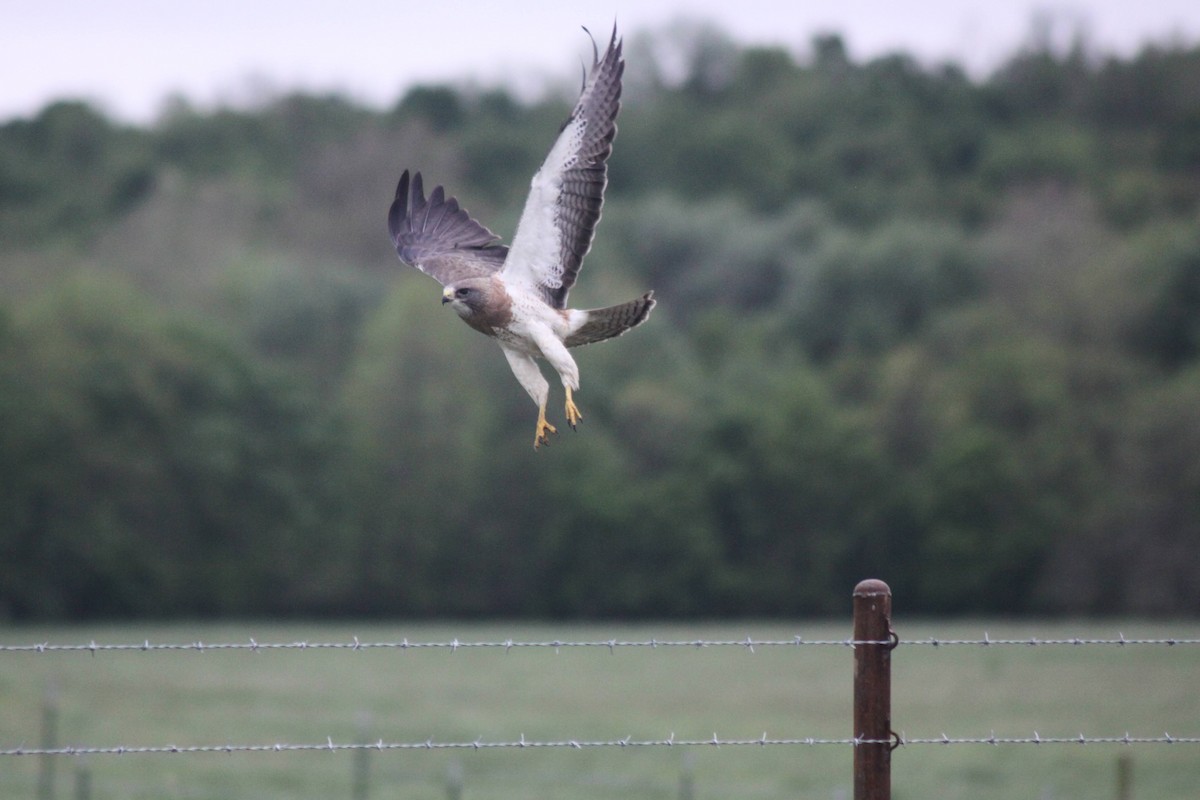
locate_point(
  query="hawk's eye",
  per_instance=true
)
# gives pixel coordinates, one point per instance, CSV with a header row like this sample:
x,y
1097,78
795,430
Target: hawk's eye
x,y
463,292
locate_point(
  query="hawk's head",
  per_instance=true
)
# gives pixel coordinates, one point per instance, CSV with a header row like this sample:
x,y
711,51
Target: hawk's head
x,y
481,302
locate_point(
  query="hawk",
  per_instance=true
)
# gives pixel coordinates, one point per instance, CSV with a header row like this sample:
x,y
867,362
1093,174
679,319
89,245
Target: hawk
x,y
518,295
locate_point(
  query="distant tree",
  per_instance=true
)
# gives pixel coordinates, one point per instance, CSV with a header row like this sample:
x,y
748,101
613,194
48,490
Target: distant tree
x,y
797,492
440,106
151,463
1167,329
68,171
868,292
984,526
1137,553
422,434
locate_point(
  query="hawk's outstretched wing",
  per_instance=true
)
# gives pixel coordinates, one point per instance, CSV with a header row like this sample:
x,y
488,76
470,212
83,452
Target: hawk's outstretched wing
x,y
560,216
439,238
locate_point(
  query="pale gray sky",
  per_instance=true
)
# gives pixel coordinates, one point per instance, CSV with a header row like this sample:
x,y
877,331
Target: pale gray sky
x,y
128,55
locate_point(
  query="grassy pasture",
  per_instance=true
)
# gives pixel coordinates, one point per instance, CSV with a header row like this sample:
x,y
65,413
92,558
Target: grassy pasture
x,y
241,697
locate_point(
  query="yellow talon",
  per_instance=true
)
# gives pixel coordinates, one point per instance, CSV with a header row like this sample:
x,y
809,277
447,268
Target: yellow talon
x,y
573,415
544,428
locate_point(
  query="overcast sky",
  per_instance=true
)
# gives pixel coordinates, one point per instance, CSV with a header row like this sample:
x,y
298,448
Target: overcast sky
x,y
128,55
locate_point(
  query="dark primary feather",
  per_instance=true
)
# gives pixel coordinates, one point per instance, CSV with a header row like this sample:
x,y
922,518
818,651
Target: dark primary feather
x,y
438,237
585,178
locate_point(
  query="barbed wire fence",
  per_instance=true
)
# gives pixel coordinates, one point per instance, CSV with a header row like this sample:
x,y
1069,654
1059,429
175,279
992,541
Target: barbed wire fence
x,y
873,744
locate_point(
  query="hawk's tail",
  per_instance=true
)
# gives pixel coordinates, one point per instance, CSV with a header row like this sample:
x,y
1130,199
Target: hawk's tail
x,y
605,323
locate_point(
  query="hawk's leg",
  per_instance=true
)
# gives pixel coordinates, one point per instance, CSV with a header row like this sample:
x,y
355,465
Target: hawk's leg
x,y
544,429
527,372
573,415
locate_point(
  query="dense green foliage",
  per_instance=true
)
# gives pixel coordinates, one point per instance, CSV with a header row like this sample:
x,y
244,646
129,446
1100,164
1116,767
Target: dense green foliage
x,y
941,331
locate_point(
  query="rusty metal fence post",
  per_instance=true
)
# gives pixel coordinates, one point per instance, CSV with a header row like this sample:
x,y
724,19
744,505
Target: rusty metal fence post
x,y
873,691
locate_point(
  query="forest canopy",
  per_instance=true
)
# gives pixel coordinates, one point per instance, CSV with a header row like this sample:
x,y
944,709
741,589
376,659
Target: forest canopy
x,y
913,325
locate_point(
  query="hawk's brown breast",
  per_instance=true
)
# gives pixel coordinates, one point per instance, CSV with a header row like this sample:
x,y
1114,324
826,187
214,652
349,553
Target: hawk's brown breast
x,y
494,313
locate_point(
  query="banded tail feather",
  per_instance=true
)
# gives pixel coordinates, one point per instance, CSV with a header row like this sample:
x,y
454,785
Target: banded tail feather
x,y
606,323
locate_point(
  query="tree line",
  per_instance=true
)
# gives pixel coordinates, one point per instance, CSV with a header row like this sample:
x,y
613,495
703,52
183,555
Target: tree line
x,y
915,325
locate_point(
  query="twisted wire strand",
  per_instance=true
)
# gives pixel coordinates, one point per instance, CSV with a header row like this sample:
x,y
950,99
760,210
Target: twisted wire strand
x,y
611,645
580,744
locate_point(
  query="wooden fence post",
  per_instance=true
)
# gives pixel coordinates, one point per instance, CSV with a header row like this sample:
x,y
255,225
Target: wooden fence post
x,y
873,691
1124,776
454,781
49,741
360,786
687,777
83,781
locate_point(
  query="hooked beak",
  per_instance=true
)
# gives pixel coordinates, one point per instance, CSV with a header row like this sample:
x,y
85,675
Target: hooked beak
x,y
447,296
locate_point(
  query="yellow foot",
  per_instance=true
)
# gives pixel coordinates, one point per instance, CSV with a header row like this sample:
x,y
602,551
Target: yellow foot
x,y
573,415
544,429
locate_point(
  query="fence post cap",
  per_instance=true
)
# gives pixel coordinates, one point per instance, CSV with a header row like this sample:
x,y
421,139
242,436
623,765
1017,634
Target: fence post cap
x,y
872,587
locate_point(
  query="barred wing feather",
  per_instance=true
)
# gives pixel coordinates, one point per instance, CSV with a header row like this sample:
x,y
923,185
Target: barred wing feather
x,y
438,237
560,216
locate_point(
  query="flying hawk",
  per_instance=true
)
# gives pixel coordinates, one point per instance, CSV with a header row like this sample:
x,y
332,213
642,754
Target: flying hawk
x,y
518,295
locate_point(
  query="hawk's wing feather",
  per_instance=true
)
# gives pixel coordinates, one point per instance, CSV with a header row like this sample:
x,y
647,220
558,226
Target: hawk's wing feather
x,y
438,237
559,219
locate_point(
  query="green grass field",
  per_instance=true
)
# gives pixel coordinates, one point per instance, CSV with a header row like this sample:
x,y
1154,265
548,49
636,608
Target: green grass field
x,y
242,697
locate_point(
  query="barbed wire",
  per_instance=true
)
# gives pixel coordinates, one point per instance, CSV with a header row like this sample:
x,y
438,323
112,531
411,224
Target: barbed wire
x,y
581,744
453,645
1037,739
1033,641
611,645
